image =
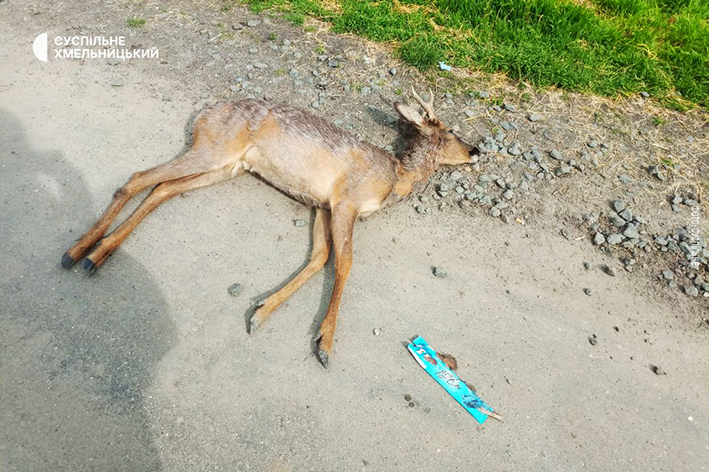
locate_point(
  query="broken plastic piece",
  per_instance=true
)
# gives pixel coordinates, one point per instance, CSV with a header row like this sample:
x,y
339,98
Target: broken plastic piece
x,y
449,380
444,66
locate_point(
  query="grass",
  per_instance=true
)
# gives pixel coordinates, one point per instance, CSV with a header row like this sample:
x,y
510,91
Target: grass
x,y
135,22
606,47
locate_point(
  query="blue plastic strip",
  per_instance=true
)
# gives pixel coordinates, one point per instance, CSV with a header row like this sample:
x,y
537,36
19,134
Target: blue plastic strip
x,y
449,380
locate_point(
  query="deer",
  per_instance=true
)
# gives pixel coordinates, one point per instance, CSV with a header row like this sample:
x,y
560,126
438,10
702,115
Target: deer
x,y
305,157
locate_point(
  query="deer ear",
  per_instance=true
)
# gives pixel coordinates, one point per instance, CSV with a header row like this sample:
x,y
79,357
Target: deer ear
x,y
409,114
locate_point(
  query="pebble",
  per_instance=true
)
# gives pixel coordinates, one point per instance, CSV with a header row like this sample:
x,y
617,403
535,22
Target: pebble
x,y
588,291
392,71
260,65
626,214
618,205
235,290
655,170
253,23
534,118
514,150
657,370
556,154
300,223
565,169
691,290
509,107
644,94
508,194
376,331
625,178
365,90
440,273
116,82
631,232
599,239
484,95
616,220
614,239
587,265
592,144
494,212
593,340
608,270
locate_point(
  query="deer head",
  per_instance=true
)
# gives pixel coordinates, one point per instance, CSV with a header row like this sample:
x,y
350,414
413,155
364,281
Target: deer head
x,y
442,145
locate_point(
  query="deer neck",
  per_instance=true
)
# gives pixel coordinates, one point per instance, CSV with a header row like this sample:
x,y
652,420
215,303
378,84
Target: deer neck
x,y
416,165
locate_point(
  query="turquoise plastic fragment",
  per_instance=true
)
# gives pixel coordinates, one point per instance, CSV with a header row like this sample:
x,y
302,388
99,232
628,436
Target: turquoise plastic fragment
x,y
449,380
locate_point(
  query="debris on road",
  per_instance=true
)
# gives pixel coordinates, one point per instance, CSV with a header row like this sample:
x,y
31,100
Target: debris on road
x,y
437,368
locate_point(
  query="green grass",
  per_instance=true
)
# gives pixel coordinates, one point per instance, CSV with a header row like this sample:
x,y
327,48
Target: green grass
x,y
135,22
606,47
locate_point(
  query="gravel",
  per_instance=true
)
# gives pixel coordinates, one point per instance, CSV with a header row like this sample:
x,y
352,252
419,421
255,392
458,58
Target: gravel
x,y
300,223
440,273
618,205
614,239
599,239
534,118
631,232
556,154
494,211
691,290
235,290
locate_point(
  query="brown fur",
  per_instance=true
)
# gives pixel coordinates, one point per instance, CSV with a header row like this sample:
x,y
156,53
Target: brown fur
x,y
305,157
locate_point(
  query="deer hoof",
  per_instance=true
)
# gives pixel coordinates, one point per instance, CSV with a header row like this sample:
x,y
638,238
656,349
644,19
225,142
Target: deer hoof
x,y
88,266
67,260
253,324
324,358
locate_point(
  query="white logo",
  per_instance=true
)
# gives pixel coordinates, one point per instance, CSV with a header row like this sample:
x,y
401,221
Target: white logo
x,y
39,47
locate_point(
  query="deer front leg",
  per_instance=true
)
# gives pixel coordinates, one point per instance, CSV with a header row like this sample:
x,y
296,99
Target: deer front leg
x,y
318,258
342,226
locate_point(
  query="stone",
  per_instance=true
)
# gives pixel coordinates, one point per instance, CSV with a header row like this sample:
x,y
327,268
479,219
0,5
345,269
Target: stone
x,y
440,273
300,223
626,214
554,153
618,205
691,290
253,23
599,239
631,232
534,118
235,290
614,239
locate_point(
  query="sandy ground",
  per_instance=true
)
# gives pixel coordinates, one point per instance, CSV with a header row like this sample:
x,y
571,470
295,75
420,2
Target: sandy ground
x,y
147,364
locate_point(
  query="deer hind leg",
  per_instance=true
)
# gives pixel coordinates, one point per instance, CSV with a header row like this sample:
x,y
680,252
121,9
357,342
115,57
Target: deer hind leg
x,y
188,164
318,258
160,194
342,226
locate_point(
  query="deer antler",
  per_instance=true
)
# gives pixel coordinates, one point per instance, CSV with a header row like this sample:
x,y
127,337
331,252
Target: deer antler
x,y
428,106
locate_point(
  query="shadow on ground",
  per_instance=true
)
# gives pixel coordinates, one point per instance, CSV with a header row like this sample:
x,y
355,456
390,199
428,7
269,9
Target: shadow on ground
x,y
78,352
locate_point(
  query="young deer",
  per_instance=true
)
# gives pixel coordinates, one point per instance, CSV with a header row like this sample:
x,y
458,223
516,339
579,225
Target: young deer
x,y
305,157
